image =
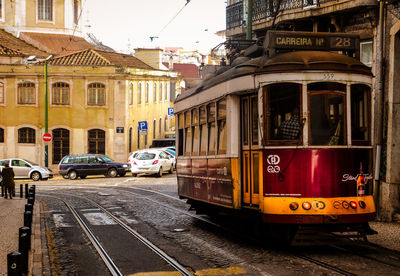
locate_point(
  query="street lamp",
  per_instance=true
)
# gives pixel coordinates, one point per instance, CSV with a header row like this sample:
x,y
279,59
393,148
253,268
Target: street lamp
x,y
46,111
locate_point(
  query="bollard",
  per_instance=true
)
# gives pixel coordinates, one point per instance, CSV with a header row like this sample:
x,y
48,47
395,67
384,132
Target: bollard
x,y
28,207
28,219
14,264
24,244
21,190
31,200
26,190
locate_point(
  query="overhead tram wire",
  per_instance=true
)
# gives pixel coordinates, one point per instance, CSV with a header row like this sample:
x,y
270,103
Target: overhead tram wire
x,y
169,22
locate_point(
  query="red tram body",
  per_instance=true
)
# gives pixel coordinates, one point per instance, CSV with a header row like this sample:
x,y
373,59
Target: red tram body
x,y
233,153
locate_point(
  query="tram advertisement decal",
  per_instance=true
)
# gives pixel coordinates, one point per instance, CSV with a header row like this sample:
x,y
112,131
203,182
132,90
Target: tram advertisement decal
x,y
316,172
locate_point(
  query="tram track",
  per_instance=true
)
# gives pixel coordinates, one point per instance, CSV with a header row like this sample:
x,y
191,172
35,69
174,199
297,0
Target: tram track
x,y
144,194
97,243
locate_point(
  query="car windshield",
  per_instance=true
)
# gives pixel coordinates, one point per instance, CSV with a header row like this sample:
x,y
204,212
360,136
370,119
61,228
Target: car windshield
x,y
145,156
107,159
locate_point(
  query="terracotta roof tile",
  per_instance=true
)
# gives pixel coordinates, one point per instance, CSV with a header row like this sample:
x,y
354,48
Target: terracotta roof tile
x,y
57,44
99,58
11,42
188,71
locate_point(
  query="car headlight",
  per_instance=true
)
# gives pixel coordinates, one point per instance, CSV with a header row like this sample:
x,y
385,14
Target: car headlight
x,y
125,166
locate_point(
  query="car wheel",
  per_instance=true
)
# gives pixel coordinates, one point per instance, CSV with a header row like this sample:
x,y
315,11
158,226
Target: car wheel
x,y
65,176
72,175
112,172
171,169
134,174
35,176
82,176
159,174
122,174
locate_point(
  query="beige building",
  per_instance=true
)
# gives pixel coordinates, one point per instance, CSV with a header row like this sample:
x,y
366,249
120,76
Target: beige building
x,y
96,97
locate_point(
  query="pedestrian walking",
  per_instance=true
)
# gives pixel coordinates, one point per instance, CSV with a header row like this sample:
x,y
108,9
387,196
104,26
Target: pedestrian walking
x,y
8,180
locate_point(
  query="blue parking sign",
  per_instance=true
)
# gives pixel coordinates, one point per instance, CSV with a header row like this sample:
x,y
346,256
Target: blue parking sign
x,y
143,125
170,111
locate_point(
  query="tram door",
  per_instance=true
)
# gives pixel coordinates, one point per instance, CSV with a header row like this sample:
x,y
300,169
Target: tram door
x,y
251,158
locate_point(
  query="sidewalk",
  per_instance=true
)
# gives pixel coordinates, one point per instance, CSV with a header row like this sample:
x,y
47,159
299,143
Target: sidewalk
x,y
11,219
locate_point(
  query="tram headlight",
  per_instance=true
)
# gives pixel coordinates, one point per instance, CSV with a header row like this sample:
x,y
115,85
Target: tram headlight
x,y
353,204
293,206
362,204
306,205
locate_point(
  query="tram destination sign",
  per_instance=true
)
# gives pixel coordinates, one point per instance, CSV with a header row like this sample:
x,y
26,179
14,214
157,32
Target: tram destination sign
x,y
311,41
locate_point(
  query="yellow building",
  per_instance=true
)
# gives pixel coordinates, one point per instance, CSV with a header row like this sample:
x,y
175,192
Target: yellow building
x,y
96,98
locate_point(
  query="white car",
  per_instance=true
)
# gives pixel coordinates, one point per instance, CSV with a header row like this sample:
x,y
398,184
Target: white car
x,y
151,161
25,169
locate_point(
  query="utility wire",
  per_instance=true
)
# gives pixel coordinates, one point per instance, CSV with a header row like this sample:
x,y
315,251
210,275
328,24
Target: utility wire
x,y
187,2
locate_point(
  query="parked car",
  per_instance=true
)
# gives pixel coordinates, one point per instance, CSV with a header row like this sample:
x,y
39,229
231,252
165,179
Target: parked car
x,y
171,154
74,166
151,161
27,169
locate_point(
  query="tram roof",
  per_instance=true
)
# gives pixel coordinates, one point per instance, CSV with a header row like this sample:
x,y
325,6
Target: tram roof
x,y
291,61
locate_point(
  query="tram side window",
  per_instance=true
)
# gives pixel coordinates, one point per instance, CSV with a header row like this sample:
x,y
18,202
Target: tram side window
x,y
283,112
212,130
221,119
188,134
360,113
203,130
327,118
195,131
180,134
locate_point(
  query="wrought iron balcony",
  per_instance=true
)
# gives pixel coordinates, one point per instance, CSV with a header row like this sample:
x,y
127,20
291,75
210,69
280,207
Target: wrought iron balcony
x,y
264,9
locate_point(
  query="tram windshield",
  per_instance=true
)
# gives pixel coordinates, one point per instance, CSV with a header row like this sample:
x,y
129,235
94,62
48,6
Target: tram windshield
x,y
327,118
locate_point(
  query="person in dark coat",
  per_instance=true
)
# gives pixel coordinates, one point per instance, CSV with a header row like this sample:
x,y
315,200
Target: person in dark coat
x,y
8,180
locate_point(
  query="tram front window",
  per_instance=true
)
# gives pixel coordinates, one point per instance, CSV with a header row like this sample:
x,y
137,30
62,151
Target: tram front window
x,y
327,118
283,111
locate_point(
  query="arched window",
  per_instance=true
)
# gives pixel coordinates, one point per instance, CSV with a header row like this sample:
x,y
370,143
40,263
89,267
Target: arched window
x,y
96,94
60,144
1,135
26,93
26,135
1,93
154,92
165,92
60,93
146,97
160,92
97,141
130,96
139,93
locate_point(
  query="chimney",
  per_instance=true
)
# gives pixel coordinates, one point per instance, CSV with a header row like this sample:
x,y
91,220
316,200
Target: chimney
x,y
152,57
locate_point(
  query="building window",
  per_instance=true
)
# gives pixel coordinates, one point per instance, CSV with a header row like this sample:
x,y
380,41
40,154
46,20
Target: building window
x,y
130,140
165,92
139,93
159,127
130,95
45,10
165,123
1,135
1,89
26,93
146,96
26,135
60,93
96,94
154,92
366,53
160,92
60,144
76,12
97,141
154,128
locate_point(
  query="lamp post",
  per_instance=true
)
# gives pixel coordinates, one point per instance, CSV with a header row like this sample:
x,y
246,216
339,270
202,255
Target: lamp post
x,y
46,112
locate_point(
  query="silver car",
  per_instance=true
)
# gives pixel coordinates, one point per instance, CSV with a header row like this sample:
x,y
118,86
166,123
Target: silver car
x,y
26,169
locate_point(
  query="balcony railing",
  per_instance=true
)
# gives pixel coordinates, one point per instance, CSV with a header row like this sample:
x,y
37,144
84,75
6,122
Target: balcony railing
x,y
263,9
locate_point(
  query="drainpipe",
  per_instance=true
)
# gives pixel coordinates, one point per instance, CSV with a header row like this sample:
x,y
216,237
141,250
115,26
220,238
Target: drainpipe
x,y
249,19
380,99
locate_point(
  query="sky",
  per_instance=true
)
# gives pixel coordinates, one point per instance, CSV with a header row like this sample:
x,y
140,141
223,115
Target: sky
x,y
120,23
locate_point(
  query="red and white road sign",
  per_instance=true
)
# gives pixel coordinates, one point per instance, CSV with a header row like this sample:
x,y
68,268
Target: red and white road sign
x,y
47,137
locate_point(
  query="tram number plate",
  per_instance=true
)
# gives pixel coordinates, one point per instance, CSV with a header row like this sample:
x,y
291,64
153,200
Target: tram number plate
x,y
329,76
